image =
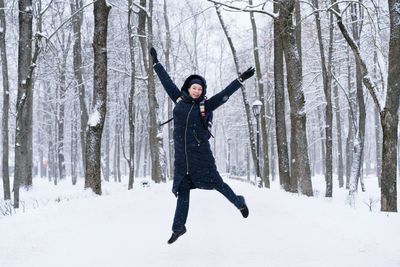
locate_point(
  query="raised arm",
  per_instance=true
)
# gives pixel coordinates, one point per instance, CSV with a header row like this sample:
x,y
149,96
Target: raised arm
x,y
169,86
217,100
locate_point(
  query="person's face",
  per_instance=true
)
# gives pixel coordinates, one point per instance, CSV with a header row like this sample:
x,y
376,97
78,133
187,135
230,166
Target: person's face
x,y
195,90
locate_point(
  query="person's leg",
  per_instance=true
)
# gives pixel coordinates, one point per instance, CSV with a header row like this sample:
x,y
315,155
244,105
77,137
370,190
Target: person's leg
x,y
182,207
227,191
181,211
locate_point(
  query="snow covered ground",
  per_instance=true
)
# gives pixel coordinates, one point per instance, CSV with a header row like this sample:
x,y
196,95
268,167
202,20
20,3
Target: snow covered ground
x,y
66,226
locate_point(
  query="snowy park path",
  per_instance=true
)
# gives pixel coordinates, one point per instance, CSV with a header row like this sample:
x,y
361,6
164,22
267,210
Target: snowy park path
x,y
130,228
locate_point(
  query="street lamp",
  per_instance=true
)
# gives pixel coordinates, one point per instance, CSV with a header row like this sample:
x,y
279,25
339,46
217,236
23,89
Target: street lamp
x,y
228,167
256,111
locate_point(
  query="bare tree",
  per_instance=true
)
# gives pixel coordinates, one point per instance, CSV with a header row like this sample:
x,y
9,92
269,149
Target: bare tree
x,y
280,122
76,8
340,167
244,95
167,52
23,132
327,78
260,83
158,161
299,147
131,106
99,109
6,101
389,114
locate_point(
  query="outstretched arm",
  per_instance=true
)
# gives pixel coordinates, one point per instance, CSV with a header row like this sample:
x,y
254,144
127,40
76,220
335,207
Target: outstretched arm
x,y
169,86
217,100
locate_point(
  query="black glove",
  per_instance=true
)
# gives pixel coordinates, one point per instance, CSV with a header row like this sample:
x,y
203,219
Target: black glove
x,y
247,74
153,54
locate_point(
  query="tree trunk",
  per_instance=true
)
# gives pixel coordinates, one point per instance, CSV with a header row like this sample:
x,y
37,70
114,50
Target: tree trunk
x,y
23,132
168,43
106,154
280,122
131,105
359,144
326,76
389,116
321,138
299,147
61,115
99,109
260,82
74,146
350,131
78,73
6,102
378,130
141,139
244,95
158,164
340,167
117,152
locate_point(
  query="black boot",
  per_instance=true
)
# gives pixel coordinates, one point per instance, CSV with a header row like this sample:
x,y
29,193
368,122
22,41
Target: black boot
x,y
244,210
176,235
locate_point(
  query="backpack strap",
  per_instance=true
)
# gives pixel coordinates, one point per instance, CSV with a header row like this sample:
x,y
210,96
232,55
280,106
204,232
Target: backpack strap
x,y
207,123
177,101
203,109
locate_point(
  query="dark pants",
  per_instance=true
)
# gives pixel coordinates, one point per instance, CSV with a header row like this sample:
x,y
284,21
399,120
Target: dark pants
x,y
182,204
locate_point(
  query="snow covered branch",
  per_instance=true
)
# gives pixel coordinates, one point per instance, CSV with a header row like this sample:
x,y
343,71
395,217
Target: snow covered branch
x,y
247,8
356,51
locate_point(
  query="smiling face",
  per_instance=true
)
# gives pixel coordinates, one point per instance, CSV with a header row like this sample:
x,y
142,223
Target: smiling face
x,y
195,90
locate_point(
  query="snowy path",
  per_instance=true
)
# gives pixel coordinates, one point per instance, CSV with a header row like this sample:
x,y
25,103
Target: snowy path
x,y
124,228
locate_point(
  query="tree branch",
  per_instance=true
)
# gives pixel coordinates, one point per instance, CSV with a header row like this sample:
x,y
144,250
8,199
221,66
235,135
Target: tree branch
x,y
356,51
247,8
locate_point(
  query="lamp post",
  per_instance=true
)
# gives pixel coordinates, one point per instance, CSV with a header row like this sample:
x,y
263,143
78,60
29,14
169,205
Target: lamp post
x,y
256,111
228,163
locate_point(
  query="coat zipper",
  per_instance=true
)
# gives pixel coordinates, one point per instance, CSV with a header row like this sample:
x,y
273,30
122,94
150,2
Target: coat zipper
x,y
187,120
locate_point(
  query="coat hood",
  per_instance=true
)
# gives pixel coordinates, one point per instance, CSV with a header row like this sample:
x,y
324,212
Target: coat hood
x,y
185,86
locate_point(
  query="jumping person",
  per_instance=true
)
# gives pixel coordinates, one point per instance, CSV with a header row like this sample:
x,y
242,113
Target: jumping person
x,y
194,164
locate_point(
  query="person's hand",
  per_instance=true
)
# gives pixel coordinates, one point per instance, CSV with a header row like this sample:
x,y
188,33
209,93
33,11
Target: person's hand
x,y
247,74
153,54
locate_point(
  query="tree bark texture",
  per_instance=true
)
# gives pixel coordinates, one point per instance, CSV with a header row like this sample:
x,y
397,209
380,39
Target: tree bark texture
x,y
299,147
326,76
6,103
99,109
280,122
131,106
340,167
263,120
168,44
389,116
78,73
23,133
157,154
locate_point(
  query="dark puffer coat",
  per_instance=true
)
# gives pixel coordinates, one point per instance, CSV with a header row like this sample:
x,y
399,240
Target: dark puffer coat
x,y
193,156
